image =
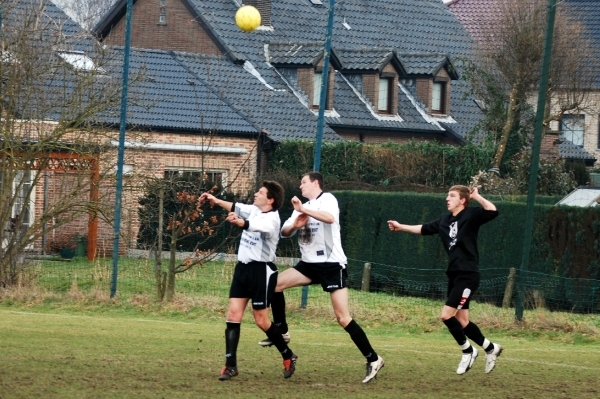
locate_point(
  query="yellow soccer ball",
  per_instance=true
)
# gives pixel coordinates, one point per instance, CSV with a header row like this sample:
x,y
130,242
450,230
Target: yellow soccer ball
x,y
247,18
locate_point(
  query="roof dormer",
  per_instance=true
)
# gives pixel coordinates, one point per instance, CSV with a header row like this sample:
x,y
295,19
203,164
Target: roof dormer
x,y
301,64
432,74
375,73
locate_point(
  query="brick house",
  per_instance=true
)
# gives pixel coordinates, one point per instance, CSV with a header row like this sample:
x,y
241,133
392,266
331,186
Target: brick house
x,y
212,99
576,137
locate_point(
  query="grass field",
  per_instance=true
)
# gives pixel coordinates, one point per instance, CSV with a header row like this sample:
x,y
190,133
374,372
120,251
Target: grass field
x,y
48,350
78,343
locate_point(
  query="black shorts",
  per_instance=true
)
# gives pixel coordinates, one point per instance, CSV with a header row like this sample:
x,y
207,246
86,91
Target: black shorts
x,y
461,287
254,280
331,276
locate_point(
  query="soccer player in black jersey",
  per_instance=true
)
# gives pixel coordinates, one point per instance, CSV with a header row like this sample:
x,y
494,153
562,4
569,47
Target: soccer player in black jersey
x,y
458,230
255,275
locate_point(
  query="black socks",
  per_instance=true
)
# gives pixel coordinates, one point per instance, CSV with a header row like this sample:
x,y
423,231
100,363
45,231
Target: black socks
x,y
458,333
278,309
274,335
361,341
232,338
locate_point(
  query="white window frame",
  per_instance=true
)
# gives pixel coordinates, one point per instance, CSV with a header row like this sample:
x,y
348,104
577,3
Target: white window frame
x,y
209,171
317,83
437,97
573,128
19,203
383,100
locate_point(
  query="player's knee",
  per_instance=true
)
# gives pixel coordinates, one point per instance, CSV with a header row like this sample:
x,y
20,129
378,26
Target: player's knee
x,y
343,320
444,317
263,323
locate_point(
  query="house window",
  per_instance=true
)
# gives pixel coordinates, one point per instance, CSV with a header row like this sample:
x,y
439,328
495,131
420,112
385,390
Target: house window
x,y
23,204
572,127
318,81
384,103
215,176
438,97
162,17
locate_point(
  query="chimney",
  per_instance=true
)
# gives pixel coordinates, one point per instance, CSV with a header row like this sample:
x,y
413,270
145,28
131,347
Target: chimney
x,y
264,8
549,146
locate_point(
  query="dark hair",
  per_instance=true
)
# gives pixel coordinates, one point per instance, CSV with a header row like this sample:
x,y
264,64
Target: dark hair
x,y
463,192
315,176
274,192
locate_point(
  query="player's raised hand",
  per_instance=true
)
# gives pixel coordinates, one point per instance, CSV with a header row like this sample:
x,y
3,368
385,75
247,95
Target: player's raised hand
x,y
297,204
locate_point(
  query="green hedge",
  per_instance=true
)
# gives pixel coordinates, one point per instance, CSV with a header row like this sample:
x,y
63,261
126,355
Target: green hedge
x,y
565,246
424,163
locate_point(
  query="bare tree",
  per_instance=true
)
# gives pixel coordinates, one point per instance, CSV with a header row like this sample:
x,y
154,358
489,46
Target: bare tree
x,y
171,217
507,71
52,153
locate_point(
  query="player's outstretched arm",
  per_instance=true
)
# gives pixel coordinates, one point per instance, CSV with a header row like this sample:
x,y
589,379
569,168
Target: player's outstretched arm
x,y
228,206
485,204
413,229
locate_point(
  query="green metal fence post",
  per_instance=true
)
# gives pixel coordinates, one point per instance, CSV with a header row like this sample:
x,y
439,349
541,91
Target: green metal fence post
x,y
322,105
535,158
121,152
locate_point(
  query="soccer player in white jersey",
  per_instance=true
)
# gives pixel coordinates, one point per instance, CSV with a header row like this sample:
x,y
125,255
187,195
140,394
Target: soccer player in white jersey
x,y
323,262
458,231
255,274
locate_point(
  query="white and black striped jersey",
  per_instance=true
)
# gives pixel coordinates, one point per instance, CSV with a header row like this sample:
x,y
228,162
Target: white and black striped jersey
x,y
321,242
260,236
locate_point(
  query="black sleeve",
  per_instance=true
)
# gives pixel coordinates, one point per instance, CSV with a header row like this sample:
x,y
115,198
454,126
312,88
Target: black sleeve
x,y
483,216
246,224
431,228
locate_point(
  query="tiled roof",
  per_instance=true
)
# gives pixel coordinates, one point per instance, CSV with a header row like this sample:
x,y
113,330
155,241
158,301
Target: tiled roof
x,y
171,97
256,91
295,53
568,150
408,27
363,59
427,64
53,18
366,35
477,16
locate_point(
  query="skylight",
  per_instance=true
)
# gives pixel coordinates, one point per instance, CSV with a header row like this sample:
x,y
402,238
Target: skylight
x,y
316,2
80,61
583,196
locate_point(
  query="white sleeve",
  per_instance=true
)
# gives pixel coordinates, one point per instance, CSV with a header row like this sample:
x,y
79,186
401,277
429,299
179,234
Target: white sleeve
x,y
290,222
264,223
330,204
243,210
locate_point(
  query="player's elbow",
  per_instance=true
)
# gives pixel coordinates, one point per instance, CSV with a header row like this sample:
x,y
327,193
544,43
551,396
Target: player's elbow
x,y
329,220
